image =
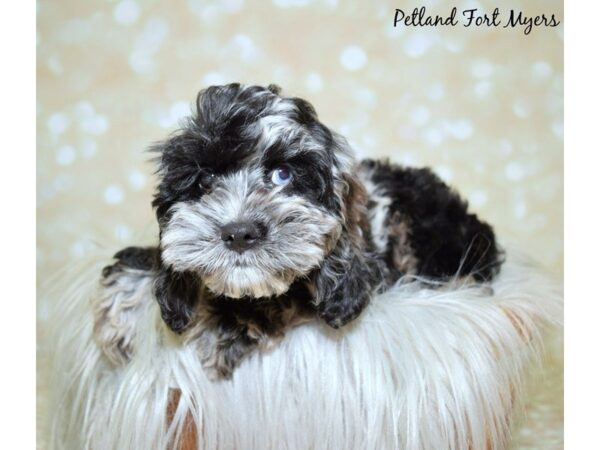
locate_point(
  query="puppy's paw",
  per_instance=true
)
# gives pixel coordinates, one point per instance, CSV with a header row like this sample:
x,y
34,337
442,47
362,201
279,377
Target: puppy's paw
x,y
117,304
213,371
177,294
178,321
216,371
338,313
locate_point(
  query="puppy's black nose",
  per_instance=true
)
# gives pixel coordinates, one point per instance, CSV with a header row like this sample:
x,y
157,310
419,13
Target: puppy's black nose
x,y
240,236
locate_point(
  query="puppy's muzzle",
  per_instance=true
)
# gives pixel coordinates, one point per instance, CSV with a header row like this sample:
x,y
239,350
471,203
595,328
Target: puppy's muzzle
x,y
240,236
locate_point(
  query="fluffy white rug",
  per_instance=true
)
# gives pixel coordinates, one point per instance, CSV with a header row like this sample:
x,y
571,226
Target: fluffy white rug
x,y
420,369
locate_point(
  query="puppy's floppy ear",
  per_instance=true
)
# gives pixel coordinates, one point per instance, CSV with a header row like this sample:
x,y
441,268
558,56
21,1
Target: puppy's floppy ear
x,y
176,293
348,276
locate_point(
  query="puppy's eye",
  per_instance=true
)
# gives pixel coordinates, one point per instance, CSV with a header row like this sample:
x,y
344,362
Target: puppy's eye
x,y
281,175
206,180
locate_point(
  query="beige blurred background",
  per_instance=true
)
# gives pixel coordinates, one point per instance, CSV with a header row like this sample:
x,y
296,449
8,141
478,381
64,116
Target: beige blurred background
x,y
482,106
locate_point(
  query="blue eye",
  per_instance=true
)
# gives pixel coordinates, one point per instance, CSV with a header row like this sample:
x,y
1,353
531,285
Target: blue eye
x,y
281,176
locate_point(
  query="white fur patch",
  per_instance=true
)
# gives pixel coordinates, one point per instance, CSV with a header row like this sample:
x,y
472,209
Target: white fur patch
x,y
379,213
115,308
420,369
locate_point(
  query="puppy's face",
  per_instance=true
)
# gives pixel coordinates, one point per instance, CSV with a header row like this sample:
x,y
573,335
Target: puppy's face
x,y
251,192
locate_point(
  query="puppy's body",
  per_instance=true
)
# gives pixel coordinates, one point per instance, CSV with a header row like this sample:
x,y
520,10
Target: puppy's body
x,y
266,221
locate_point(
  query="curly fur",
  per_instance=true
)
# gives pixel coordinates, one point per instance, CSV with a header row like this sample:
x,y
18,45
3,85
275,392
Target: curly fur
x,y
420,369
338,233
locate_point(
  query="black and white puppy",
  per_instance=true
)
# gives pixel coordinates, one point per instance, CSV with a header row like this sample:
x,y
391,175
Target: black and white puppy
x,y
266,220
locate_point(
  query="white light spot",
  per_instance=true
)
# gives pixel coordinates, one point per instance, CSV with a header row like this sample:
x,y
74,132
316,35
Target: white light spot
x,y
521,109
282,74
434,136
141,62
291,3
213,79
453,45
65,155
122,232
137,180
409,159
417,44
244,46
482,68
126,12
436,92
541,70
88,148
153,35
407,132
519,209
313,82
58,123
345,129
84,110
365,97
174,114
368,140
353,58
420,115
478,166
460,129
147,43
97,124
62,183
445,173
113,194
179,110
78,249
209,13
393,32
514,171
232,6
478,198
55,65
506,147
482,88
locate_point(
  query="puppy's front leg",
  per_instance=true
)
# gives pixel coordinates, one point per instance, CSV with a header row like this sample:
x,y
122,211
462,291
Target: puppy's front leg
x,y
221,349
122,293
344,285
176,294
226,334
228,330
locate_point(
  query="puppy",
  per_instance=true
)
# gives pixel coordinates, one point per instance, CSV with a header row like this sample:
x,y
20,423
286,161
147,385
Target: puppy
x,y
267,220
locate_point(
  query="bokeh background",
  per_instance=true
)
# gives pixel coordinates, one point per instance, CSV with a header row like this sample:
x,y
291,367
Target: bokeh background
x,y
482,106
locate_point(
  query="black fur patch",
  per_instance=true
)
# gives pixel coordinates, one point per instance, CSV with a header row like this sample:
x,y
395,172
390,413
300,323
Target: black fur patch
x,y
446,239
140,258
177,294
220,138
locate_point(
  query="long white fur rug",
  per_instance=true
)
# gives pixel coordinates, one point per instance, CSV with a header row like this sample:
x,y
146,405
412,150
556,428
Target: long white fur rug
x,y
420,369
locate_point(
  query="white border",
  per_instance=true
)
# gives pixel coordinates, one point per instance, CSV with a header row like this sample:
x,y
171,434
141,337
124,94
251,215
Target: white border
x,y
17,42
17,316
582,298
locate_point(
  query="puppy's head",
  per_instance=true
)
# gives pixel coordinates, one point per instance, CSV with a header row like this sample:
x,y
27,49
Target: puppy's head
x,y
253,195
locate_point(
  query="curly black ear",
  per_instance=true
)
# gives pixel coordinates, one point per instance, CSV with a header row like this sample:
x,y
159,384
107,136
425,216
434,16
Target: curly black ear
x,y
176,293
348,277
